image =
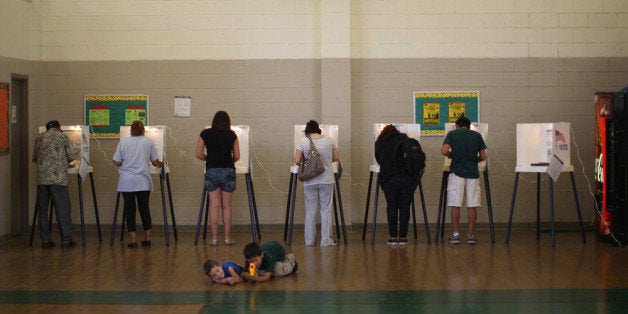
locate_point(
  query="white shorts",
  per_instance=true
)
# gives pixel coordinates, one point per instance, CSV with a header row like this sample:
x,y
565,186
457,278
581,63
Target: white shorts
x,y
457,187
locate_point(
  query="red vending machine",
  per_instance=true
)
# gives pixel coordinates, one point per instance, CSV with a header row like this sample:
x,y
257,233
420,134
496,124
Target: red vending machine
x,y
611,172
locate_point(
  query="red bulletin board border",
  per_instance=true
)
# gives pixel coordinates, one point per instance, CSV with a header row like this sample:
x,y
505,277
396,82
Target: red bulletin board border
x,y
4,118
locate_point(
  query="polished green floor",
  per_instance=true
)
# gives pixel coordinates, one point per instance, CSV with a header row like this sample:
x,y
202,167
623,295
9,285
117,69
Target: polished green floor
x,y
449,301
526,276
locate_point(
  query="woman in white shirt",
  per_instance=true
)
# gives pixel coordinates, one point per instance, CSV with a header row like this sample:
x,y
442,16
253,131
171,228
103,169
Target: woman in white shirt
x,y
134,155
319,189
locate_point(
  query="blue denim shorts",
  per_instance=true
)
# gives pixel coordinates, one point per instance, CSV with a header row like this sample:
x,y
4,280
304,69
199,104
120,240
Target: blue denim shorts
x,y
223,178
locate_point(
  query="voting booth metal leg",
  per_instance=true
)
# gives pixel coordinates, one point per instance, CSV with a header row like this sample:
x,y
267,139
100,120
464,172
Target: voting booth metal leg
x,y
342,212
512,207
427,225
174,223
252,208
115,217
575,195
551,197
335,205
366,209
35,212
91,180
164,209
489,204
376,199
259,231
81,208
200,216
285,226
441,201
538,206
293,191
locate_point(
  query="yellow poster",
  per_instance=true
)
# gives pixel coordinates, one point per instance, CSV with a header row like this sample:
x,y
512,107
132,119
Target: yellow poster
x,y
456,110
431,113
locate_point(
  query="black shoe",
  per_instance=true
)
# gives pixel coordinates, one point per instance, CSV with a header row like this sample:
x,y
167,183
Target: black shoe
x,y
146,243
132,245
47,245
69,244
296,266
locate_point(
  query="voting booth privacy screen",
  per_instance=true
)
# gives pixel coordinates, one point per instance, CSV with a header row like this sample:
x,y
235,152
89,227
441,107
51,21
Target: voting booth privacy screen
x,y
412,130
481,128
537,143
79,140
330,130
156,134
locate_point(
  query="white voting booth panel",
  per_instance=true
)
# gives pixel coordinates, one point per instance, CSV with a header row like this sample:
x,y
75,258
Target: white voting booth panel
x,y
412,130
157,135
538,142
330,130
481,128
243,132
79,139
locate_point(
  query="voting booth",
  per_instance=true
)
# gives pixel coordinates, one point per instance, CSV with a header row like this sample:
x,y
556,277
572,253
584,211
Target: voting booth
x,y
481,128
413,131
331,131
243,166
157,135
80,166
544,148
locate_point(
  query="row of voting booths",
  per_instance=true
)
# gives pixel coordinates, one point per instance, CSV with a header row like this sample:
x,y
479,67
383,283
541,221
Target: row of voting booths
x,y
79,136
541,148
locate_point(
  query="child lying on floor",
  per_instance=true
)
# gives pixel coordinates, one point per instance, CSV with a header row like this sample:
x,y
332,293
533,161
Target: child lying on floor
x,y
226,273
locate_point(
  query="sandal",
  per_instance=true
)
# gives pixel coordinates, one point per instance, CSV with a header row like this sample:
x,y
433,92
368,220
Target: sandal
x,y
229,242
213,242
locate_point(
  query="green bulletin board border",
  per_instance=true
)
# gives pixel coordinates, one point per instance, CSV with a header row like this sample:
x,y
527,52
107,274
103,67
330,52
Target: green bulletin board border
x,y
432,109
105,114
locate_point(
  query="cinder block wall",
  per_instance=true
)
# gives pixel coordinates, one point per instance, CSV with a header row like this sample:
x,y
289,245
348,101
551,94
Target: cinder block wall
x,y
273,64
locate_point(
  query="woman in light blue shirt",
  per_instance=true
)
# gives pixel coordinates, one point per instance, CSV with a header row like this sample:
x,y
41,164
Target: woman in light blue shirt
x,y
134,155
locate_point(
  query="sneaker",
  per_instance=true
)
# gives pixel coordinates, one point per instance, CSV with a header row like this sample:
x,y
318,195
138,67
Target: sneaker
x,y
328,242
455,239
392,242
69,244
471,239
295,267
402,241
47,245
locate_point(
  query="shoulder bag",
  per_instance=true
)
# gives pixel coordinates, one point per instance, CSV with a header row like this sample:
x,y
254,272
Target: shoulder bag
x,y
312,165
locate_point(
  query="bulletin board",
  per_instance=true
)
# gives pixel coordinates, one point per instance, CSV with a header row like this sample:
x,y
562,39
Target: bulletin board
x,y
106,114
432,110
4,118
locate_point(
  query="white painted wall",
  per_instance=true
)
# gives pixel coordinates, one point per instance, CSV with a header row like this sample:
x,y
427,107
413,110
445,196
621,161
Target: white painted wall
x,y
76,30
14,28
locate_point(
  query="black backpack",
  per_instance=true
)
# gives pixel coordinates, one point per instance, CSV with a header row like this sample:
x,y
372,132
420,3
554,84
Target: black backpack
x,y
409,158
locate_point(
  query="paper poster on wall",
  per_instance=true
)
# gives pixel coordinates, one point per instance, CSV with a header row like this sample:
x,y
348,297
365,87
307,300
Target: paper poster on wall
x,y
182,106
106,114
433,109
4,118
